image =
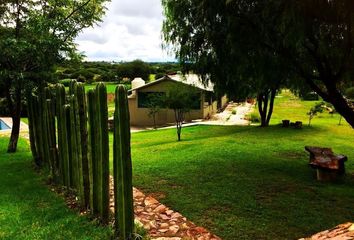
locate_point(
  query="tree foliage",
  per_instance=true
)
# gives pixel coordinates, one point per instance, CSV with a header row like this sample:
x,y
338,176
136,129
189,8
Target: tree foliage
x,y
180,98
34,36
252,45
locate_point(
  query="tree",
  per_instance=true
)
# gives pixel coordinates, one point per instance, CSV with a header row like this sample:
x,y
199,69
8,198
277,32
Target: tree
x,y
136,68
180,98
318,108
237,63
155,102
34,36
314,39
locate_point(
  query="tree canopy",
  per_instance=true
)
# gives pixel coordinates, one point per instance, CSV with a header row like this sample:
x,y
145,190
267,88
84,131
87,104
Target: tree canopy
x,y
247,46
34,36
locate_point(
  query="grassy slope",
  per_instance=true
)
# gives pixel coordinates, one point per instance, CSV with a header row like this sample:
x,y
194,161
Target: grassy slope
x,y
29,210
248,182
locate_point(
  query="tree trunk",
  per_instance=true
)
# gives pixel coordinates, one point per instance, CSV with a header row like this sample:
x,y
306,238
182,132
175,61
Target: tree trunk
x,y
154,118
15,108
333,96
265,111
15,132
179,121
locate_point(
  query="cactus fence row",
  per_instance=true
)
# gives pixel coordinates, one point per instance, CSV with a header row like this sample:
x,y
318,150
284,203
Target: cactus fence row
x,y
69,138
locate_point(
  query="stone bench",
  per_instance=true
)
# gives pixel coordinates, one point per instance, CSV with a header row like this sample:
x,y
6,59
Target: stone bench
x,y
329,166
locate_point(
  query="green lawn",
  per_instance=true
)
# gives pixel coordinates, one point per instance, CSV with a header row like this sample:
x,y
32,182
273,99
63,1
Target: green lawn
x,y
249,182
29,210
111,87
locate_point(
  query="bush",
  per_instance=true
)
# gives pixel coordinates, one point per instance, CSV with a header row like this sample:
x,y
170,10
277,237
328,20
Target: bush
x,y
234,112
65,82
81,79
349,93
254,117
310,96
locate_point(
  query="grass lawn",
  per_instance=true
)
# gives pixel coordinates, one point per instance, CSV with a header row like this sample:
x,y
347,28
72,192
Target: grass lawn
x,y
111,87
29,210
249,182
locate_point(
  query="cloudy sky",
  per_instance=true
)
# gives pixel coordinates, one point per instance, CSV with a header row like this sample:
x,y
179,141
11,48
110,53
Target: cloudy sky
x,y
130,30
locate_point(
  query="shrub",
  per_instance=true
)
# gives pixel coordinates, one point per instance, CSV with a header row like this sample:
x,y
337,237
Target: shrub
x,y
310,96
254,117
349,93
234,112
81,79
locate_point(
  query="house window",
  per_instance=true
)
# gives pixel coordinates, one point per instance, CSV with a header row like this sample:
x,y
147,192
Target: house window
x,y
196,101
146,98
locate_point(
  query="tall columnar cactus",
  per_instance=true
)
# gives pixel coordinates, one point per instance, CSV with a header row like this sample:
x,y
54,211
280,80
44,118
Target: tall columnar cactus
x,y
61,126
53,154
93,145
44,124
103,152
37,111
82,112
122,167
32,128
68,123
76,142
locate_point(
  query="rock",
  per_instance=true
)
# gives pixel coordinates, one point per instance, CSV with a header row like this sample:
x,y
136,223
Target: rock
x,y
201,230
163,230
139,209
169,212
164,217
167,238
173,229
160,209
164,225
150,201
153,224
176,215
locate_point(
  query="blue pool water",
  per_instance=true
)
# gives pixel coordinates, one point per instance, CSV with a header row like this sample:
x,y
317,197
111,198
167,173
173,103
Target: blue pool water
x,y
3,126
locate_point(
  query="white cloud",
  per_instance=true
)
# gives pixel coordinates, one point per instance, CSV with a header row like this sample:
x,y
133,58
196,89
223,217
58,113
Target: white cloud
x,y
130,30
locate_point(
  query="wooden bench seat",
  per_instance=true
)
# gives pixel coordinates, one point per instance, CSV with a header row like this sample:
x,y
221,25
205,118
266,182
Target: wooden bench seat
x,y
328,165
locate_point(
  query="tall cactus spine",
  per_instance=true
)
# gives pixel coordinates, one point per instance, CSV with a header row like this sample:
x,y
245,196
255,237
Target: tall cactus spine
x,y
93,145
103,164
122,167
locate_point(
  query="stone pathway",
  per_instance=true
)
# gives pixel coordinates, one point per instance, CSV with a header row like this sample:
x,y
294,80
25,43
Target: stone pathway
x,y
161,222
341,232
227,117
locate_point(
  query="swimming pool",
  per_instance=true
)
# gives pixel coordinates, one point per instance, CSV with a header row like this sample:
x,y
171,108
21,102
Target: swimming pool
x,y
3,126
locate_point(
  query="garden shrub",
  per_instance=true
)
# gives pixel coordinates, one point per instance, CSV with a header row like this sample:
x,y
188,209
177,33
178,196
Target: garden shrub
x,y
310,96
254,117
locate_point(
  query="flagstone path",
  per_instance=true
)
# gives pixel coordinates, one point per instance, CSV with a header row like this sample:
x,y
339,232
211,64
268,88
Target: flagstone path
x,y
341,232
161,222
